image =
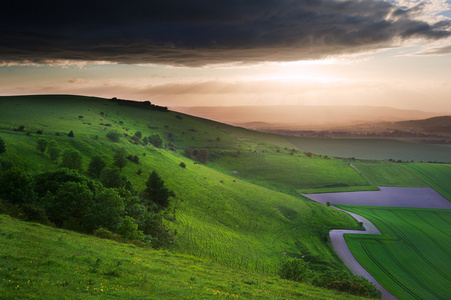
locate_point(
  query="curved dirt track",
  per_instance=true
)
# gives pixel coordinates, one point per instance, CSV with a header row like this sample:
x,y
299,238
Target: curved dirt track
x,y
341,248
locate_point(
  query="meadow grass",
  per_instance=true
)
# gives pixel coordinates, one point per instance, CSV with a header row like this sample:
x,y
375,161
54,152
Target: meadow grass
x,y
218,215
411,259
438,176
40,262
383,173
373,149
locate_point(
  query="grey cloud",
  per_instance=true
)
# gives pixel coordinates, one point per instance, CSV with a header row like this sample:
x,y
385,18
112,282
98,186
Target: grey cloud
x,y
199,32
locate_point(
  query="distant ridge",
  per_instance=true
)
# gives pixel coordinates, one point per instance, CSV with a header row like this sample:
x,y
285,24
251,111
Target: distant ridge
x,y
440,124
307,117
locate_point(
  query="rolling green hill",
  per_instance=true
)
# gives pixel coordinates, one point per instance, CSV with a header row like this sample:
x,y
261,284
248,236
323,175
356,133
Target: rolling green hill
x,y
242,221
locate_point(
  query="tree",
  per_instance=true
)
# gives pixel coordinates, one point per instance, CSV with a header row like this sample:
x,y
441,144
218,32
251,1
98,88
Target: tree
x,y
71,134
17,186
96,166
41,145
114,136
2,146
156,140
202,156
112,178
53,150
107,211
72,201
156,191
120,158
72,160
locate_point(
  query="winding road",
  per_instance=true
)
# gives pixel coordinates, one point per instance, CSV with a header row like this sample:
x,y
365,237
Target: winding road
x,y
387,196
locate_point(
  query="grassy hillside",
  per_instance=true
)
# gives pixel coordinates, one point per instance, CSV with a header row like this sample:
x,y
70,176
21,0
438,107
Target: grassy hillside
x,y
435,175
411,259
40,262
219,215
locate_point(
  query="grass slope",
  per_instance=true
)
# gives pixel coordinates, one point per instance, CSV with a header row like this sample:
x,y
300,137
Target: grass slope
x,y
218,215
437,176
374,149
388,174
411,259
39,262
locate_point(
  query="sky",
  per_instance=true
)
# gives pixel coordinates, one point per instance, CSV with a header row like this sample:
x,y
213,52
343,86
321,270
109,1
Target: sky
x,y
232,53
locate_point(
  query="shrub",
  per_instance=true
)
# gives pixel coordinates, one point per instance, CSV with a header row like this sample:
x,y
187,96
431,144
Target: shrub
x,y
53,151
106,234
328,203
183,165
120,158
71,134
35,213
2,146
96,166
202,156
128,229
41,145
295,269
309,154
156,140
72,160
114,136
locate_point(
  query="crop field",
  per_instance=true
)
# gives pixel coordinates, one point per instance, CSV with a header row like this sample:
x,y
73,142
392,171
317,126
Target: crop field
x,y
293,172
374,149
40,262
411,259
388,174
438,176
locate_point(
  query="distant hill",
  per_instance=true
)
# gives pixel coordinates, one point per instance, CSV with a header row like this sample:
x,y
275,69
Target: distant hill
x,y
436,125
303,117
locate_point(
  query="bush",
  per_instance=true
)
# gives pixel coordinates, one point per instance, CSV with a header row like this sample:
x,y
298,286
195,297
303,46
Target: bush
x,y
120,158
106,234
2,146
295,269
96,166
72,160
156,140
183,165
114,136
71,134
41,145
53,151
35,213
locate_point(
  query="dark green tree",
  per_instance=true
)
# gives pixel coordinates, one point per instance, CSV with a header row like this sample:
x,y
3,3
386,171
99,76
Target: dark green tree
x,y
2,146
107,211
72,201
17,186
53,151
112,178
156,191
72,160
156,140
120,158
41,145
114,136
96,166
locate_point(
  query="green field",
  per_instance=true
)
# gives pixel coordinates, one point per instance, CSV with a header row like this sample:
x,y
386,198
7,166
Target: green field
x,y
388,174
411,259
40,262
438,176
374,149
293,172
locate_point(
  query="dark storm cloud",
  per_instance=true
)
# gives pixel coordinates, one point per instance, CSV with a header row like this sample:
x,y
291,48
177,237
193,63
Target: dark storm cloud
x,y
198,32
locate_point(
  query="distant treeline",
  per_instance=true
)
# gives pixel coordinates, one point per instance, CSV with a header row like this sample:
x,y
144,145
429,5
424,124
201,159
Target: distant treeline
x,y
139,104
330,134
